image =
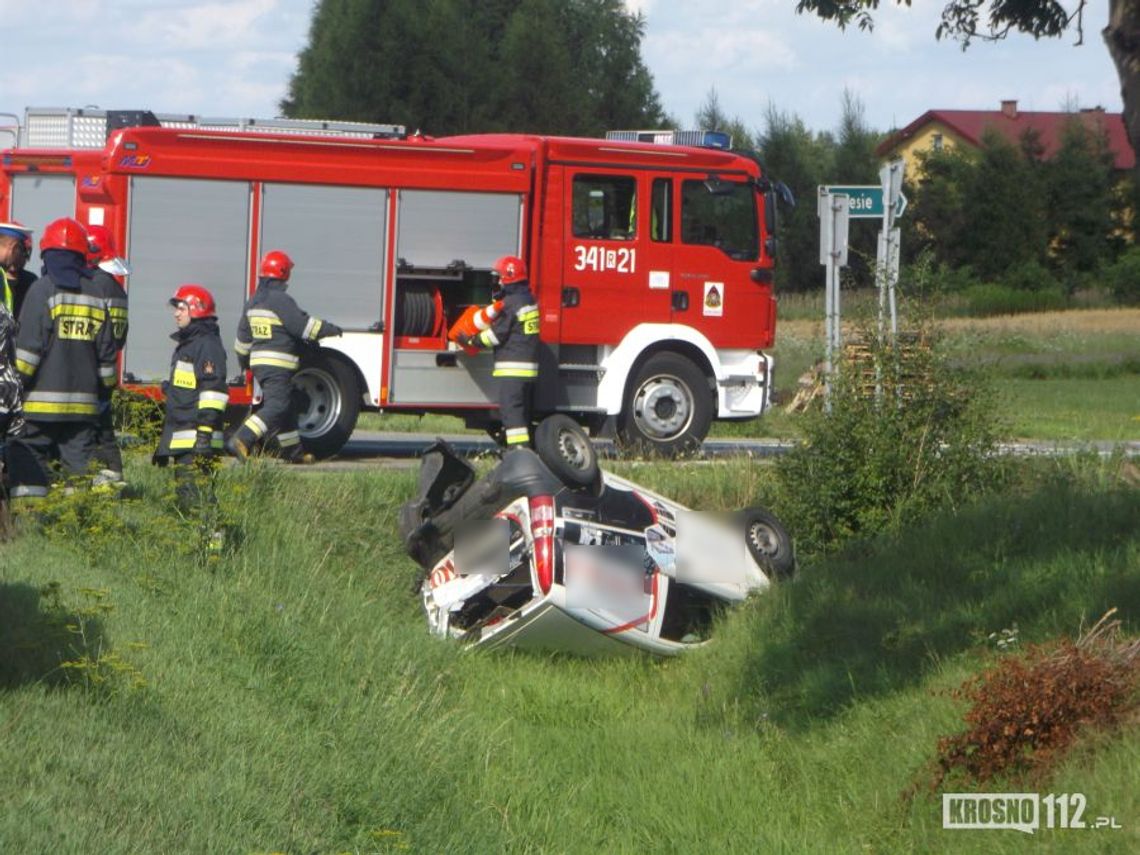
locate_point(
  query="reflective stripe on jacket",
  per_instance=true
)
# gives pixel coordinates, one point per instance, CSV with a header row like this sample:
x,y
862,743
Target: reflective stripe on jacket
x,y
65,351
273,329
196,394
514,334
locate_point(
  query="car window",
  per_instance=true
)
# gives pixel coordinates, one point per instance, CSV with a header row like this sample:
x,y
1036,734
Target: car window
x,y
725,219
605,207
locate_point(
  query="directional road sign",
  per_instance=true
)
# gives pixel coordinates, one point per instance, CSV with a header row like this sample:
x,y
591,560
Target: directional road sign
x,y
866,200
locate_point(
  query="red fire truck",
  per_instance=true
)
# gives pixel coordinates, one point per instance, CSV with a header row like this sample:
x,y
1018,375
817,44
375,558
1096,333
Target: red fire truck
x,y
652,264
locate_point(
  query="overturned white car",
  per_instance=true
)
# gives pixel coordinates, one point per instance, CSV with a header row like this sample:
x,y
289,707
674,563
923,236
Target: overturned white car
x,y
598,565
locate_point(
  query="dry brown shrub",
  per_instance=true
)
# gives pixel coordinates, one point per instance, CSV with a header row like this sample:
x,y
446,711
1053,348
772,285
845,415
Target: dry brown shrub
x,y
1027,709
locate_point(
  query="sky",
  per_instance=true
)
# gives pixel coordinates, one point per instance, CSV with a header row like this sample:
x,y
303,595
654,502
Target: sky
x,y
234,58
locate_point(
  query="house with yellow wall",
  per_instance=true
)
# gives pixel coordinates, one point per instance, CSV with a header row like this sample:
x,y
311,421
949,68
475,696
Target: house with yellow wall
x,y
938,130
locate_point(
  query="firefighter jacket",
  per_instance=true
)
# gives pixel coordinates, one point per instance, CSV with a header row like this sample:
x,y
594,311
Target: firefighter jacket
x,y
514,334
65,352
273,329
116,299
196,392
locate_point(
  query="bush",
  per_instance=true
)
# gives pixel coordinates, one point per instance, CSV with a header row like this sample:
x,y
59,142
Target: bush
x,y
941,279
1027,710
1123,278
907,434
1030,276
138,416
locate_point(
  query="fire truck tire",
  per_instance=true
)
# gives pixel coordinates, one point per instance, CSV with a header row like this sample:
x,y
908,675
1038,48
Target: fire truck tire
x,y
329,402
668,407
566,450
769,543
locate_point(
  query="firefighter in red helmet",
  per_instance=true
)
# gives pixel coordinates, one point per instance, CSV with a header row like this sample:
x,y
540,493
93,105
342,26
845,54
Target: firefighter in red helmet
x,y
196,397
272,333
65,354
514,336
107,272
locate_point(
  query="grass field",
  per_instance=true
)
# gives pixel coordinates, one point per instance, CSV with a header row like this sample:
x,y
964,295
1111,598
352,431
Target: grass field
x,y
287,698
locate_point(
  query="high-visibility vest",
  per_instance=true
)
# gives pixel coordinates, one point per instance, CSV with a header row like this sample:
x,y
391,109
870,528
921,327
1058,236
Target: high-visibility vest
x,y
9,298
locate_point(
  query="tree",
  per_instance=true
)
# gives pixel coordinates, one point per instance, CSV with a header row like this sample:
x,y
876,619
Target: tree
x,y
939,213
1005,223
855,162
971,20
458,66
1081,199
855,159
710,117
803,161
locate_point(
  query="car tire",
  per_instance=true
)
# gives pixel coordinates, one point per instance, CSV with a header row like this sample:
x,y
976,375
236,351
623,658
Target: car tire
x,y
329,397
566,450
769,543
668,408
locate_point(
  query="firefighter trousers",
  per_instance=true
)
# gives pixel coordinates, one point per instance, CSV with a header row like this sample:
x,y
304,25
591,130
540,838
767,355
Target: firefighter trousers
x,y
107,452
46,447
194,484
514,409
276,418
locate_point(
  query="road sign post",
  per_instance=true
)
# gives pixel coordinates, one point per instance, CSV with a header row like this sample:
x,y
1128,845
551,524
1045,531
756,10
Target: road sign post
x,y
887,258
834,218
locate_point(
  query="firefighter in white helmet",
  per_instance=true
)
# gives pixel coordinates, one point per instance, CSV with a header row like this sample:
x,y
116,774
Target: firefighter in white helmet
x,y
15,250
513,334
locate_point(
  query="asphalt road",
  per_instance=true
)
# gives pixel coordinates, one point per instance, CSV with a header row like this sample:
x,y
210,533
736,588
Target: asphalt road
x,y
372,449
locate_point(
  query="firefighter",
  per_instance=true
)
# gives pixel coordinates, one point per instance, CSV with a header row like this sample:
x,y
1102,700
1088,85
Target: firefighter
x,y
65,354
272,333
11,400
15,250
108,269
514,336
196,397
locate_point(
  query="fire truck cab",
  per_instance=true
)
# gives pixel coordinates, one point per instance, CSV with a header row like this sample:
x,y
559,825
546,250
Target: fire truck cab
x,y
652,265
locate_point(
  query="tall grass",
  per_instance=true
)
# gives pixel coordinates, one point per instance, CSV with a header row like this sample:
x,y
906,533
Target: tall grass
x,y
293,701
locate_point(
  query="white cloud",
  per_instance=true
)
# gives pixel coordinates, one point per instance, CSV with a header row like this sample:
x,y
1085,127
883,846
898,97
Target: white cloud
x,y
203,25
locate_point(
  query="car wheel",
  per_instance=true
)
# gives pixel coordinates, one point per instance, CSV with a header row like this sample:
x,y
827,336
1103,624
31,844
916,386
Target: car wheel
x,y
769,543
669,407
328,402
566,450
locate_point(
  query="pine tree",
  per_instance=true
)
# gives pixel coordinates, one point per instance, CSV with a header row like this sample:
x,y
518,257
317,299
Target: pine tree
x,y
792,154
1004,210
1080,194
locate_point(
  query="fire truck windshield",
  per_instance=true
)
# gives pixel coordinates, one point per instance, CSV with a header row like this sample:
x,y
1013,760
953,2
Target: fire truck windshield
x,y
725,219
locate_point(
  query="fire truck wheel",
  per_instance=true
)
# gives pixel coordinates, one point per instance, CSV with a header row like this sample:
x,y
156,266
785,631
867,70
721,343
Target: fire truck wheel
x,y
668,408
769,543
566,450
329,402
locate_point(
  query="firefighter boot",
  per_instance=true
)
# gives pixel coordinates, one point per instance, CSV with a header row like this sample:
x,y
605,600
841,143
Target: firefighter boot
x,y
237,448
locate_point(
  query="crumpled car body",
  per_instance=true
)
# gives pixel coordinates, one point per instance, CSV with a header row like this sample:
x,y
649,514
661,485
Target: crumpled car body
x,y
595,570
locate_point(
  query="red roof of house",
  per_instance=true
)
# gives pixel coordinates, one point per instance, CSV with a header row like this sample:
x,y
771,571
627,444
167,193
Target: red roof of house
x,y
1011,123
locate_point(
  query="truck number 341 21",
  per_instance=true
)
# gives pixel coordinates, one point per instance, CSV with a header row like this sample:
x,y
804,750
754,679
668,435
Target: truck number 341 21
x,y
600,259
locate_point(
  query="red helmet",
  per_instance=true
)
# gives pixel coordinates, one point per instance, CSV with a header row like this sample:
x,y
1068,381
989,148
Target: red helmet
x,y
510,269
100,244
198,300
65,233
276,265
